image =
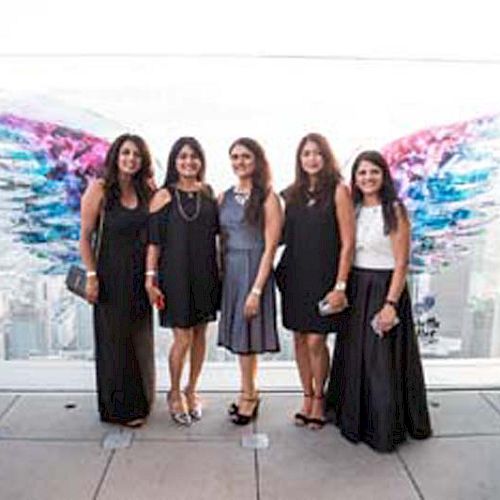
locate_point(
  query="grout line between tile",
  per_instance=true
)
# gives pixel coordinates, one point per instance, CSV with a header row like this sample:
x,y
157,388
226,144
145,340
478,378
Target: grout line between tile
x,y
256,464
104,474
10,405
257,474
466,435
49,439
488,400
410,477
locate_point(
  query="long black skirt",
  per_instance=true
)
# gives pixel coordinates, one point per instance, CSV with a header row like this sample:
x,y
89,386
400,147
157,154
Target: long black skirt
x,y
376,392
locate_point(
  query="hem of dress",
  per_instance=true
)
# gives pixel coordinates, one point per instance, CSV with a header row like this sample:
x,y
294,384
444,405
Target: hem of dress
x,y
170,324
372,441
249,351
122,421
309,331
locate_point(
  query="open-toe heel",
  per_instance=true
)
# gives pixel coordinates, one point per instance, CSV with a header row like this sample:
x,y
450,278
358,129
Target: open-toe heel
x,y
180,417
316,423
242,419
232,409
301,419
195,407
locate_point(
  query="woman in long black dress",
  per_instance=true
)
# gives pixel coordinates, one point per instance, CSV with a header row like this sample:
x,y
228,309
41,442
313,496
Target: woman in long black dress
x,y
182,254
122,314
377,391
319,239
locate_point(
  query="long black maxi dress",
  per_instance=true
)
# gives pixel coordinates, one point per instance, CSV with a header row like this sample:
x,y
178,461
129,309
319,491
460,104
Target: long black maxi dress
x,y
376,391
122,318
185,230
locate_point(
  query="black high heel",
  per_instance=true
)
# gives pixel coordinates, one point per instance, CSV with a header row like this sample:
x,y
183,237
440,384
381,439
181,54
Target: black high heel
x,y
301,419
232,409
315,424
240,419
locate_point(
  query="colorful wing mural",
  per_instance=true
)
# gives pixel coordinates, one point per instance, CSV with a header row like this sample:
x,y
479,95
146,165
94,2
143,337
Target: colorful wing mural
x,y
44,168
448,177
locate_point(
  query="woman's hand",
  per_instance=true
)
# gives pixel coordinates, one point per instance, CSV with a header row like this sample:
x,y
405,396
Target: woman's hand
x,y
386,317
155,296
92,289
337,300
252,305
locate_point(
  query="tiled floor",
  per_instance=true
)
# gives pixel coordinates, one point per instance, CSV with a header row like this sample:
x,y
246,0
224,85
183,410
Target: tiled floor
x,y
52,446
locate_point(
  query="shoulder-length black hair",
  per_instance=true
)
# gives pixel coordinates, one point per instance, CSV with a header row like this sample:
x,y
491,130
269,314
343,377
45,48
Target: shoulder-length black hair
x,y
261,180
328,177
172,176
388,195
141,179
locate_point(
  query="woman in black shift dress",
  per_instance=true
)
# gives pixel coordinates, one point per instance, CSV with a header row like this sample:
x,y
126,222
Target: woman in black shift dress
x,y
318,238
122,314
182,274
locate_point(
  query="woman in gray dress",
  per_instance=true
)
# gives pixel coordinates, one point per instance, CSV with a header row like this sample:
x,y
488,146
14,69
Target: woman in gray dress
x,y
251,222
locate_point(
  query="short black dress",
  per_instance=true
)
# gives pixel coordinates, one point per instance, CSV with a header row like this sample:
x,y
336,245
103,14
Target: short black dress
x,y
185,230
308,266
123,330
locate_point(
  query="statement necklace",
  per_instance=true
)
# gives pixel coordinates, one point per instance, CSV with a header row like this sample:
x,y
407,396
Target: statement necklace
x,y
182,212
241,197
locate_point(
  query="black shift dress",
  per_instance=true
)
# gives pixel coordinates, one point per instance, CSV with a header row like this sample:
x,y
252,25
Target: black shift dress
x,y
308,266
185,229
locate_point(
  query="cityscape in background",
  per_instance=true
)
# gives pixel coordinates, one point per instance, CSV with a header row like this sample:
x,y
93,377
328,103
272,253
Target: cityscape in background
x,y
39,318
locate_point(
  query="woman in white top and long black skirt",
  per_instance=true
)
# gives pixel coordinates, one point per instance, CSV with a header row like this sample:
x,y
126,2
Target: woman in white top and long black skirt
x,y
376,391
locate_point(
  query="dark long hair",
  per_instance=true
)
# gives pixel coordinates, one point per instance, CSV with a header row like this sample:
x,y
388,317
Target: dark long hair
x,y
172,176
141,179
328,177
388,194
261,180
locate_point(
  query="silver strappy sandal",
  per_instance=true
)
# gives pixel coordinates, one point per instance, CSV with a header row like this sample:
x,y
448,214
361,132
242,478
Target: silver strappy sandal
x,y
179,417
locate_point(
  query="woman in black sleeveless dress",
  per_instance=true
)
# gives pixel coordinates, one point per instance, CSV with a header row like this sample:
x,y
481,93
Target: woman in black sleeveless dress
x,y
122,314
319,239
182,254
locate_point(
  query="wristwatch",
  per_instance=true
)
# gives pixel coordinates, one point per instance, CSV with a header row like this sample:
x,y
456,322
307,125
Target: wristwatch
x,y
340,286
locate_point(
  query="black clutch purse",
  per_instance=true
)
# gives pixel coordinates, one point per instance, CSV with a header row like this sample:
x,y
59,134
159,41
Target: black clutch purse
x,y
76,278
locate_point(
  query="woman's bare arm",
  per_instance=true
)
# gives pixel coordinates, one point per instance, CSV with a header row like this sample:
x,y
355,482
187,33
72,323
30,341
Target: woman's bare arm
x,y
91,203
400,240
346,224
273,222
161,198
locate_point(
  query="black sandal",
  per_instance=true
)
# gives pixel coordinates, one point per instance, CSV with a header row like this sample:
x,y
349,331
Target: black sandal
x,y
232,409
301,419
318,423
240,419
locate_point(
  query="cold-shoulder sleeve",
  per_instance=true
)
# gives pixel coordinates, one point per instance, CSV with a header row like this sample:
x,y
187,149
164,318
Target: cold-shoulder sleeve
x,y
158,226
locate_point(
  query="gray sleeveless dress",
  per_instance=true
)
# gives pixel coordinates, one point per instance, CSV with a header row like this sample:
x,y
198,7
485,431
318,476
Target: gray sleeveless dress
x,y
243,246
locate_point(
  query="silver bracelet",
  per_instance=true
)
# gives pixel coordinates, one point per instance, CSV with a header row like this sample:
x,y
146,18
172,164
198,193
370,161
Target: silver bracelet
x,y
90,274
151,272
256,291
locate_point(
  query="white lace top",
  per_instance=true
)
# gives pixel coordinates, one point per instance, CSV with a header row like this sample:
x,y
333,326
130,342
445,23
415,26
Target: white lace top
x,y
373,247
